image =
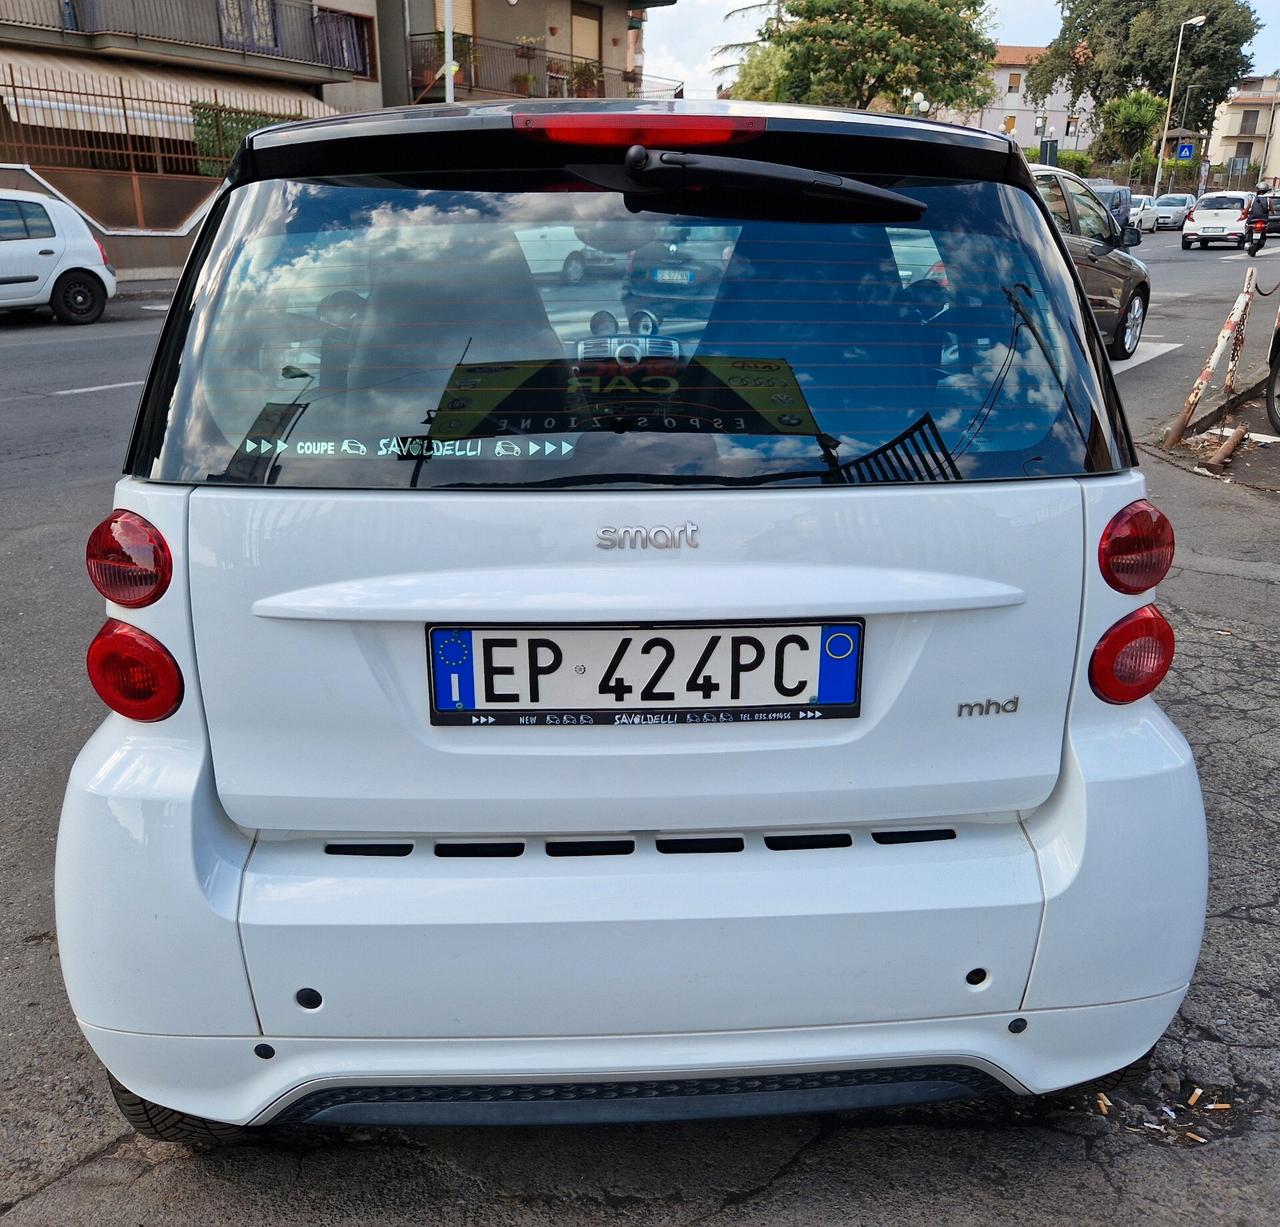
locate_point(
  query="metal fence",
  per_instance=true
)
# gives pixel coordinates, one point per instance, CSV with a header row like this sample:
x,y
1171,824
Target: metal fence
x,y
286,29
92,122
488,67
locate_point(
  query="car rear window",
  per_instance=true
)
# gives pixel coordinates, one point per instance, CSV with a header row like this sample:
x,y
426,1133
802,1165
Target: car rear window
x,y
1209,203
524,332
1176,201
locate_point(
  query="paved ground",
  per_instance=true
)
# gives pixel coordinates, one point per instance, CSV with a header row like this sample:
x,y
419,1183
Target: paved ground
x,y
66,1157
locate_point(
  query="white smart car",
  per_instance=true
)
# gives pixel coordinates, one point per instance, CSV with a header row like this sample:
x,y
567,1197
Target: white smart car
x,y
519,719
49,258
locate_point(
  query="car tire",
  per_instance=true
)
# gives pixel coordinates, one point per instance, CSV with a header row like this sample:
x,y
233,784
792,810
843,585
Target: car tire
x,y
78,298
1203,244
1186,244
574,269
1273,392
1129,330
165,1125
1240,243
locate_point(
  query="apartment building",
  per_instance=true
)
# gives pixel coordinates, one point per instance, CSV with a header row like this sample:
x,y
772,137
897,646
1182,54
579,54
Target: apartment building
x,y
1012,111
1246,128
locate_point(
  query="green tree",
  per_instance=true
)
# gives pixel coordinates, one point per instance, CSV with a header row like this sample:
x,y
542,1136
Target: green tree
x,y
851,52
1107,48
762,75
1130,124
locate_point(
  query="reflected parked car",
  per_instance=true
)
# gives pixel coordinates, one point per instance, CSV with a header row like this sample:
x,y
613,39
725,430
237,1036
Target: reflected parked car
x,y
1172,209
557,251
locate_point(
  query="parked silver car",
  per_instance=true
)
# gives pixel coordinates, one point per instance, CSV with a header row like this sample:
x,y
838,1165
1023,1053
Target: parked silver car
x,y
1172,209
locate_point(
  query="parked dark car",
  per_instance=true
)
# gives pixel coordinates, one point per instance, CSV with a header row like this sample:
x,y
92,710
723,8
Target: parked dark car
x,y
1117,199
1118,285
675,275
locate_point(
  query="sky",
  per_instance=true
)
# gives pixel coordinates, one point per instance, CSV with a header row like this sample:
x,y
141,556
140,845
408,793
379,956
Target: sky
x,y
679,39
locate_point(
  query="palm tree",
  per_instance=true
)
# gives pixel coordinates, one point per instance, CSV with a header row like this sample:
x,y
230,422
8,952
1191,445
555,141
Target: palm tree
x,y
1130,123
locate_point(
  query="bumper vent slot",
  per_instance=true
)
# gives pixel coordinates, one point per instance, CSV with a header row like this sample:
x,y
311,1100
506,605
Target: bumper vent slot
x,y
913,837
368,849
702,843
803,843
591,847
480,849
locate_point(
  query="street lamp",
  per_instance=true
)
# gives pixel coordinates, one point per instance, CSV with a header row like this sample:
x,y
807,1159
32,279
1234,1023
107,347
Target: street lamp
x,y
1168,111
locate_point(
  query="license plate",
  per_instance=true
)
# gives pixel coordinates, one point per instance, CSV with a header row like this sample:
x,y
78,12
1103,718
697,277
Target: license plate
x,y
677,276
1215,230
651,674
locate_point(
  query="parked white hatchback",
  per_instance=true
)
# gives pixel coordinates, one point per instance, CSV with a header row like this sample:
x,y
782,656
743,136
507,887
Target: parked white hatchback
x,y
1218,217
1142,212
49,258
517,718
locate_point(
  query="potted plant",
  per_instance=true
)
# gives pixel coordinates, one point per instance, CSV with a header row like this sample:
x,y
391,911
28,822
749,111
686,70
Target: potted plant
x,y
585,78
522,83
527,45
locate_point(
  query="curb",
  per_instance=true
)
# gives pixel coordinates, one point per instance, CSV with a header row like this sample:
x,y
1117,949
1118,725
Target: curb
x,y
1250,384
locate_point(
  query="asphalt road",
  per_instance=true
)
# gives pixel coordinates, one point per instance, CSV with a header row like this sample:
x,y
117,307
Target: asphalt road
x,y
65,1155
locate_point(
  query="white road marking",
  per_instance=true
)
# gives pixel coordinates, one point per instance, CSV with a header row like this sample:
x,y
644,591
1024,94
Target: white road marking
x,y
116,331
99,387
1169,294
1145,352
1262,255
159,306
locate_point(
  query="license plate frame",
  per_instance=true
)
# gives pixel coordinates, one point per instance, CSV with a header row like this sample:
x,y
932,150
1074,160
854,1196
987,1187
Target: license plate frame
x,y
1215,230
673,276
849,677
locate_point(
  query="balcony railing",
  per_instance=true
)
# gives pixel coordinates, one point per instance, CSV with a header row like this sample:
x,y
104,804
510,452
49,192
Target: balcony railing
x,y
487,67
282,29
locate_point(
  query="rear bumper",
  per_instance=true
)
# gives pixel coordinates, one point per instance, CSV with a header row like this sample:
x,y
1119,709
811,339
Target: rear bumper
x,y
183,946
601,1078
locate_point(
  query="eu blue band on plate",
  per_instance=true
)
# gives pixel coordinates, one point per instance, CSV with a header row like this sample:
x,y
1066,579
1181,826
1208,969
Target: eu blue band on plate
x,y
838,670
453,670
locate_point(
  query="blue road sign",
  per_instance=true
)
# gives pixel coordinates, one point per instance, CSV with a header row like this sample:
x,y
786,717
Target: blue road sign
x,y
1186,151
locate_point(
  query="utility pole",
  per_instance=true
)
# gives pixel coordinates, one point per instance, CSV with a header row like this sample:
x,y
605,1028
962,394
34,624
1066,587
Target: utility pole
x,y
1168,111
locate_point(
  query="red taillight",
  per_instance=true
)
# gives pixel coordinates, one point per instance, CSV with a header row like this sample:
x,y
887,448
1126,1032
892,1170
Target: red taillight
x,y
128,560
1191,215
1132,658
102,251
133,673
1244,215
1136,550
638,128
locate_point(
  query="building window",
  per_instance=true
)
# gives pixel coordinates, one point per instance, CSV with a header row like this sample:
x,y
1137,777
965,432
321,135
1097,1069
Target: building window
x,y
1041,120
1244,149
1249,123
347,41
249,25
464,21
1073,125
1015,83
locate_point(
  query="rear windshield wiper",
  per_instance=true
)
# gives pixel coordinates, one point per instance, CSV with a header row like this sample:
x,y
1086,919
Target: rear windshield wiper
x,y
665,170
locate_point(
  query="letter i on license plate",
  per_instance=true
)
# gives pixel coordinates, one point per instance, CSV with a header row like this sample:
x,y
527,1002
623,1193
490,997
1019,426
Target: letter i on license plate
x,y
656,674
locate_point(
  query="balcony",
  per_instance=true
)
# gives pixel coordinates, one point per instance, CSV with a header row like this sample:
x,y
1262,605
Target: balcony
x,y
489,69
276,38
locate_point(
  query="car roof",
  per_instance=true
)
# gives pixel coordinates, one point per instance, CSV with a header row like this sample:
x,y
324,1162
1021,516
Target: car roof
x,y
13,193
373,141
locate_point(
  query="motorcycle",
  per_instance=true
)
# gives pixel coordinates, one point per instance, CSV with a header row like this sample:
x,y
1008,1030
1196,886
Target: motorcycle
x,y
1257,239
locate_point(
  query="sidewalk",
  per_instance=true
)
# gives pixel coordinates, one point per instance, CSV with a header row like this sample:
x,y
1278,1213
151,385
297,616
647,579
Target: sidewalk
x,y
131,291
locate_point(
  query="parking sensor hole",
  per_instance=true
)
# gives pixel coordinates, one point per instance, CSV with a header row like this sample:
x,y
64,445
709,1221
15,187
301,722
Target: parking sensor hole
x,y
1018,1026
308,999
977,976
265,1051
